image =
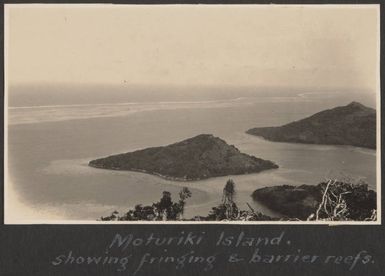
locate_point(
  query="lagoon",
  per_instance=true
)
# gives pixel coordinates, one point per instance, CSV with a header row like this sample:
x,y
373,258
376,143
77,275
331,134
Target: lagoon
x,y
50,144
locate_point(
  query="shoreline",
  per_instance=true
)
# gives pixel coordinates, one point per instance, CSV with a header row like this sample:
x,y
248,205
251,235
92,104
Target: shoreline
x,y
177,179
165,177
316,144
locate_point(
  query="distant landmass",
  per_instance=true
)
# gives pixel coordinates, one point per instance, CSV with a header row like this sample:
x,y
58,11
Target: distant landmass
x,y
353,124
196,158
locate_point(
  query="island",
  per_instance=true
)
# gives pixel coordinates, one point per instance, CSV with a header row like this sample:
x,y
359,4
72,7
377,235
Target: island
x,y
290,201
353,124
302,201
196,158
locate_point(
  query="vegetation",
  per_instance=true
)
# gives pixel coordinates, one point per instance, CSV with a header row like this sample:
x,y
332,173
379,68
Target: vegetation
x,y
328,201
353,124
290,201
200,157
164,209
343,201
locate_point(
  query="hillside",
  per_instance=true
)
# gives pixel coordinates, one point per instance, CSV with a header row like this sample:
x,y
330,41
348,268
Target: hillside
x,y
196,158
353,124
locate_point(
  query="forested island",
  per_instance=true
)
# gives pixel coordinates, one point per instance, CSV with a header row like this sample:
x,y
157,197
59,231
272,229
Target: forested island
x,y
353,124
196,158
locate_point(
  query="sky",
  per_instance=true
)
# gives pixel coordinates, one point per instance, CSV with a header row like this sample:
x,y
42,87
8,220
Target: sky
x,y
193,45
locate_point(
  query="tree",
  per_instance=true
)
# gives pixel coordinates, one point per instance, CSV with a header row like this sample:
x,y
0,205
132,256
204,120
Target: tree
x,y
343,201
179,207
164,209
228,199
228,191
164,206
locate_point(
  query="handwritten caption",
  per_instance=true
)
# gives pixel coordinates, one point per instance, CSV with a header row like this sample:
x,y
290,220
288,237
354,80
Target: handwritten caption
x,y
120,253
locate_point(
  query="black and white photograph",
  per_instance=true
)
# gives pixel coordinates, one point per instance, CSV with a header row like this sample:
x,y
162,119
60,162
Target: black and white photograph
x,y
192,114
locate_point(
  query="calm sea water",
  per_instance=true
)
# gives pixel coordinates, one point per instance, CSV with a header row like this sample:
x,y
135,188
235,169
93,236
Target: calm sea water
x,y
50,144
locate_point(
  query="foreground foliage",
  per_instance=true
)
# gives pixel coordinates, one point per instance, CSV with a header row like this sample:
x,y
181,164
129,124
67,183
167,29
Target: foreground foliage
x,y
164,209
328,201
343,201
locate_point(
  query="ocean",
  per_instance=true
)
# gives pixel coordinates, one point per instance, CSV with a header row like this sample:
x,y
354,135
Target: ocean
x,y
54,132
